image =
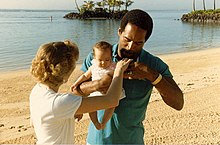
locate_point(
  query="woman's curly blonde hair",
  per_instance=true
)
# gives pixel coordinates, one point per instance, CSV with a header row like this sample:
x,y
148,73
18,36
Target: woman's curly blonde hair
x,y
54,61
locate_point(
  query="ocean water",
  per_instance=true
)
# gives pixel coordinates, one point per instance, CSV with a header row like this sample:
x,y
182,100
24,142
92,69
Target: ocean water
x,y
23,31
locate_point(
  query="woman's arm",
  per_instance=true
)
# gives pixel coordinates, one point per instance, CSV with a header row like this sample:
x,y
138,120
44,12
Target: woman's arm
x,y
111,99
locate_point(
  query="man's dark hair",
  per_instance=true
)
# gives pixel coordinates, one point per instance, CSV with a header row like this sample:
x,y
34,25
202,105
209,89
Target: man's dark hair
x,y
139,18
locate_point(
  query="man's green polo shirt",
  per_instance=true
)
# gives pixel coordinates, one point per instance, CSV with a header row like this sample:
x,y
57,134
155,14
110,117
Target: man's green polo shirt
x,y
125,126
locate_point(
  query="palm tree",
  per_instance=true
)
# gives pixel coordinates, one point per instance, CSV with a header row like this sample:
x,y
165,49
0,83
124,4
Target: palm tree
x,y
204,5
119,3
105,3
128,3
214,4
99,4
89,5
77,6
194,6
110,4
113,7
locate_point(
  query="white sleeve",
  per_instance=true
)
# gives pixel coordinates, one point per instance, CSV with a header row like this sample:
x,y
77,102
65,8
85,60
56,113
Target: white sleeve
x,y
66,105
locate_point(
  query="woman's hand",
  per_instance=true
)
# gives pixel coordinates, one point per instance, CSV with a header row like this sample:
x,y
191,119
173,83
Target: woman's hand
x,y
122,65
105,82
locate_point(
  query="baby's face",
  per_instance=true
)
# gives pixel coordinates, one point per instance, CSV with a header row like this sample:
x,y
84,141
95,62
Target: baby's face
x,y
103,58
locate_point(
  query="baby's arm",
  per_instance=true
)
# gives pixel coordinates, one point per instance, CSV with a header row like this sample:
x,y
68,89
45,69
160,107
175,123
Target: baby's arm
x,y
84,77
107,115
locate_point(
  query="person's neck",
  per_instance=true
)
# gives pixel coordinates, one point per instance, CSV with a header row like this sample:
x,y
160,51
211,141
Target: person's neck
x,y
118,57
55,88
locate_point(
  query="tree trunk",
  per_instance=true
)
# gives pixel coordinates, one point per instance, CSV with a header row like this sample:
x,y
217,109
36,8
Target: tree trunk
x,y
126,5
77,6
194,6
214,4
113,9
204,5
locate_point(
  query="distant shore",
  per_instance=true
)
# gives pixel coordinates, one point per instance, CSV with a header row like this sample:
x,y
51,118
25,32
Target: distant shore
x,y
95,14
197,73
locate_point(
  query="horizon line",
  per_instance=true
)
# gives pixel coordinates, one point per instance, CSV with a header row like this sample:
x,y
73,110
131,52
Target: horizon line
x,y
26,9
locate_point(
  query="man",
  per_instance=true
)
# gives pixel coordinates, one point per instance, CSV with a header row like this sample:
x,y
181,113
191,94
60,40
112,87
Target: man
x,y
148,71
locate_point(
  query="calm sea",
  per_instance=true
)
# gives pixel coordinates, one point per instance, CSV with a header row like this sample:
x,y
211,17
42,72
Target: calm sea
x,y
23,31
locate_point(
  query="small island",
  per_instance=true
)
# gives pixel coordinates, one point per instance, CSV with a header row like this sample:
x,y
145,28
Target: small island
x,y
105,9
208,16
203,16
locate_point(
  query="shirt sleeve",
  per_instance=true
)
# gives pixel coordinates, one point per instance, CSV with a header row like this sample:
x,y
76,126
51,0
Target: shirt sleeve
x,y
163,68
87,62
66,105
155,63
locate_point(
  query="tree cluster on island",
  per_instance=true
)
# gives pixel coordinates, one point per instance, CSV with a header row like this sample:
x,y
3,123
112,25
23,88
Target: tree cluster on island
x,y
204,16
105,9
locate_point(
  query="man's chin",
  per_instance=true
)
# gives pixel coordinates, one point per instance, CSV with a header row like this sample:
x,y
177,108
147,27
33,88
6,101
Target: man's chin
x,y
129,57
126,54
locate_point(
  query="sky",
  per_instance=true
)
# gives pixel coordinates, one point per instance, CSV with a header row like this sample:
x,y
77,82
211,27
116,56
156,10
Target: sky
x,y
70,5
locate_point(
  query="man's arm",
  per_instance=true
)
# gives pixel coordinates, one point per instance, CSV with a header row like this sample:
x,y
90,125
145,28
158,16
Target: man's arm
x,y
167,87
170,92
85,88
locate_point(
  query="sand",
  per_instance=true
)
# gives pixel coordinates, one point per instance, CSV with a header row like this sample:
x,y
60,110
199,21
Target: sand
x,y
197,73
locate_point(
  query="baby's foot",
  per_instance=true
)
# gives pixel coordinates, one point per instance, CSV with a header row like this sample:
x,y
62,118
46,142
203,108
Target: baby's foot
x,y
98,126
103,125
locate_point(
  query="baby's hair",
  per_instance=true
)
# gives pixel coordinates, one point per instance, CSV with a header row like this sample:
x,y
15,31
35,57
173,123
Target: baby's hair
x,y
102,46
54,61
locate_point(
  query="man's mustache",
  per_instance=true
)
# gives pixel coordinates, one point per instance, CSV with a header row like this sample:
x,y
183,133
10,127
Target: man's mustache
x,y
127,53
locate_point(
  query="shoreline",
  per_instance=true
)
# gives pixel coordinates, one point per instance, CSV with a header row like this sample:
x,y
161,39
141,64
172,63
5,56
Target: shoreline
x,y
196,72
156,54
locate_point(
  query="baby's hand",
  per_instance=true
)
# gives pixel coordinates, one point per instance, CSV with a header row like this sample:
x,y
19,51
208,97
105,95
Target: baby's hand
x,y
73,87
78,117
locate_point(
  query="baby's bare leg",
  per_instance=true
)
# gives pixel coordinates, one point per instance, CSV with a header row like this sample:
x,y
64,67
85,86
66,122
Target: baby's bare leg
x,y
95,121
107,115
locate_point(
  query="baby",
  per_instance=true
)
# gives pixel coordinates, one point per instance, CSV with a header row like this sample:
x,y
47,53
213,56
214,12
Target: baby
x,y
101,65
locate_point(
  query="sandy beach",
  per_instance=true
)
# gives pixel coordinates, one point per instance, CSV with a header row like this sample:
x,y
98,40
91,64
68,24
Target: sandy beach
x,y
197,73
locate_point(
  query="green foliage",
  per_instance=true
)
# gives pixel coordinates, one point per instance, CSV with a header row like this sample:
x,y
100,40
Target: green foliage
x,y
103,8
204,12
197,12
217,11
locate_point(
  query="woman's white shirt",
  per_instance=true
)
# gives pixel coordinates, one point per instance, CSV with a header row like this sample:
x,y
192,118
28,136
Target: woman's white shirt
x,y
53,115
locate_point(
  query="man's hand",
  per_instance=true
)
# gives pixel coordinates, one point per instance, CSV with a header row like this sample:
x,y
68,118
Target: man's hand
x,y
88,87
138,70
